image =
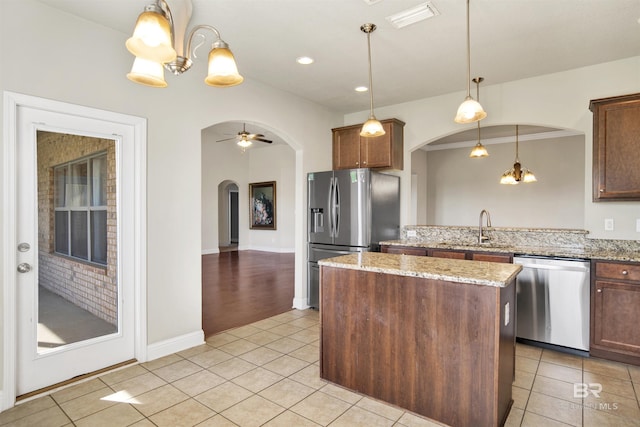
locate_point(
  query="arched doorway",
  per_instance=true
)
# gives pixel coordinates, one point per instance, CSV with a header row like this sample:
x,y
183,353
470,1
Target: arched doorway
x,y
228,216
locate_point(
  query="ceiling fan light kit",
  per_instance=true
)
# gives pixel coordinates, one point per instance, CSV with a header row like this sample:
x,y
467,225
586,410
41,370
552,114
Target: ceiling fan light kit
x,y
153,45
245,139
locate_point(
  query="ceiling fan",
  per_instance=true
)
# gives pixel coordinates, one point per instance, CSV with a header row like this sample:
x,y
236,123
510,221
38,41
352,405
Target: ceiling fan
x,y
245,138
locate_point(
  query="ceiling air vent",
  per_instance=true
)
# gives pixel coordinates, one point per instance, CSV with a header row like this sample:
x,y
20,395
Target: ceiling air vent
x,y
413,15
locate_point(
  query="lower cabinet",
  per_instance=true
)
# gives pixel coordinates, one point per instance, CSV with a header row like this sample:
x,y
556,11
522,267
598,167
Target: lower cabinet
x,y
448,253
404,250
615,311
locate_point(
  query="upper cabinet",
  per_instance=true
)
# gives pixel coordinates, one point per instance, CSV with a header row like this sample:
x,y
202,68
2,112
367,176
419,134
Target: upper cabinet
x,y
350,150
616,135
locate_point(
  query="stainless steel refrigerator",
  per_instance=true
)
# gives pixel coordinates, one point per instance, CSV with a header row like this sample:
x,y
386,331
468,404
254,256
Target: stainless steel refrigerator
x,y
348,211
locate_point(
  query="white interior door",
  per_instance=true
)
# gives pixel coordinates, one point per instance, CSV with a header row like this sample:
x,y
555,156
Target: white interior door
x,y
75,230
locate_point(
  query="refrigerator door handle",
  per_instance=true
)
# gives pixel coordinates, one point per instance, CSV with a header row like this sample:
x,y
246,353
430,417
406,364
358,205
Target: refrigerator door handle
x,y
337,207
330,207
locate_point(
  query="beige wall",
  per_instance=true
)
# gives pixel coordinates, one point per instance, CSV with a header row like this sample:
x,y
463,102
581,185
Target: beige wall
x,y
257,164
459,187
558,100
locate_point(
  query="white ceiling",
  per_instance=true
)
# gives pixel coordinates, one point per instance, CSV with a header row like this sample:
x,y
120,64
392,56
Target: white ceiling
x,y
510,40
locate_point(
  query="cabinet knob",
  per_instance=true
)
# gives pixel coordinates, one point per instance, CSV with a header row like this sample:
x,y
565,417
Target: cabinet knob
x,y
364,163
602,190
599,291
357,163
625,272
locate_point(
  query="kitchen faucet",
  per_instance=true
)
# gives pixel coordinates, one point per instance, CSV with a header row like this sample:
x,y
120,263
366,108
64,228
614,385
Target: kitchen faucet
x,y
481,237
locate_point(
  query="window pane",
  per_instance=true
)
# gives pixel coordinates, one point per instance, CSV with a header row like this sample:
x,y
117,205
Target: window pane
x,y
77,191
79,241
62,232
60,186
99,181
99,236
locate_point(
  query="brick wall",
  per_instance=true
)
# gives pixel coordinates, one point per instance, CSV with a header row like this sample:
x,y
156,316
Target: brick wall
x,y
89,286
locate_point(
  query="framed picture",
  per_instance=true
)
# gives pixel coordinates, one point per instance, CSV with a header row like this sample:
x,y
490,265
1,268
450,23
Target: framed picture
x,y
262,205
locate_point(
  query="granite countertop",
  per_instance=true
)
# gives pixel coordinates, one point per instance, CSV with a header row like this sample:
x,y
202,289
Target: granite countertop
x,y
610,254
453,270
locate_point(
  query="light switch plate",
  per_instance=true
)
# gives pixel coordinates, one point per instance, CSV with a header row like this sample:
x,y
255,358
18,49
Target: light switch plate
x,y
638,225
608,224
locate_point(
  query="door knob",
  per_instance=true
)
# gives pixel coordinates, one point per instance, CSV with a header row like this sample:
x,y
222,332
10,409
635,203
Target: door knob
x,y
24,268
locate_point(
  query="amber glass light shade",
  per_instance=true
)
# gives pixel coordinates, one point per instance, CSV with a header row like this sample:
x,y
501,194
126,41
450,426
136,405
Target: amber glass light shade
x,y
223,71
147,72
152,38
479,151
371,128
470,111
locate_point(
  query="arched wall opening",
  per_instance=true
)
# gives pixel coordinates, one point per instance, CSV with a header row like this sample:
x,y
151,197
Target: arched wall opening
x,y
228,214
450,188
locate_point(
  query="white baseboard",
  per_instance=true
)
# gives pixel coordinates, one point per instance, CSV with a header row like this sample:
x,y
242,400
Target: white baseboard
x,y
300,303
210,251
270,249
174,345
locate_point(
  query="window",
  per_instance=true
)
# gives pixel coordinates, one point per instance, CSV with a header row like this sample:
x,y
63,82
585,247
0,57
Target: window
x,y
80,218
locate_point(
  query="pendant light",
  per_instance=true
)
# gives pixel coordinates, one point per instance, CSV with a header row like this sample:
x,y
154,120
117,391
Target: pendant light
x,y
479,150
372,127
470,110
517,173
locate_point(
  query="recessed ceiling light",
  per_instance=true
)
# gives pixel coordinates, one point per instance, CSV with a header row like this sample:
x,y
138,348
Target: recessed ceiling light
x,y
304,60
370,2
413,15
362,89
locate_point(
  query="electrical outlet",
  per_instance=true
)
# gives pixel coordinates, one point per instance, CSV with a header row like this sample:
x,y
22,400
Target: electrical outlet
x,y
608,224
413,233
638,225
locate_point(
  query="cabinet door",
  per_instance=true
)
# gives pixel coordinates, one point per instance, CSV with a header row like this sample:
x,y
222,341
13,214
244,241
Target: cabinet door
x,y
404,250
346,148
616,316
443,253
480,256
616,127
376,152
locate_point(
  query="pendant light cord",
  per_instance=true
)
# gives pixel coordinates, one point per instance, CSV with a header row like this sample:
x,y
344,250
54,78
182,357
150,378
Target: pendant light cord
x,y
468,54
370,77
517,159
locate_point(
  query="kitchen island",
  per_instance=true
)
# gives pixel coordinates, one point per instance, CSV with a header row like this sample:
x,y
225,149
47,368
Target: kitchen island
x,y
434,336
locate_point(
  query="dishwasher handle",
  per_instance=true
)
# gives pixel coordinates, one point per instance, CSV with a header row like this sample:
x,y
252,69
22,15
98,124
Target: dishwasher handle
x,y
554,267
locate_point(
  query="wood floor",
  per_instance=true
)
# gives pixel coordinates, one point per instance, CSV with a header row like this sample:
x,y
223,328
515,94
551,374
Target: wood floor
x,y
241,287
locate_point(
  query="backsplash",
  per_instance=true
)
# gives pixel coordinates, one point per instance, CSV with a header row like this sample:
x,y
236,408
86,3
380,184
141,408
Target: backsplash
x,y
521,237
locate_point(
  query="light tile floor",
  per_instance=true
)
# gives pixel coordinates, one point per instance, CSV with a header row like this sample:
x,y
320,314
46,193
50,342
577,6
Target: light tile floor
x,y
266,374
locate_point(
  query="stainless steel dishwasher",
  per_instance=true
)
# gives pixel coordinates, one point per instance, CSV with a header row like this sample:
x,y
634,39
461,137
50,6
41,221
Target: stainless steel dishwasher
x,y
553,301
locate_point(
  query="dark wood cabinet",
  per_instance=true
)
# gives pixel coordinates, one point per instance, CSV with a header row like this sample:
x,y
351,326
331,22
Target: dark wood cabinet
x,y
350,150
492,257
441,349
615,311
616,136
448,253
403,250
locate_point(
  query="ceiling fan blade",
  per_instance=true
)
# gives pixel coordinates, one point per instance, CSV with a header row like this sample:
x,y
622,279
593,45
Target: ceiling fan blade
x,y
262,140
227,139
